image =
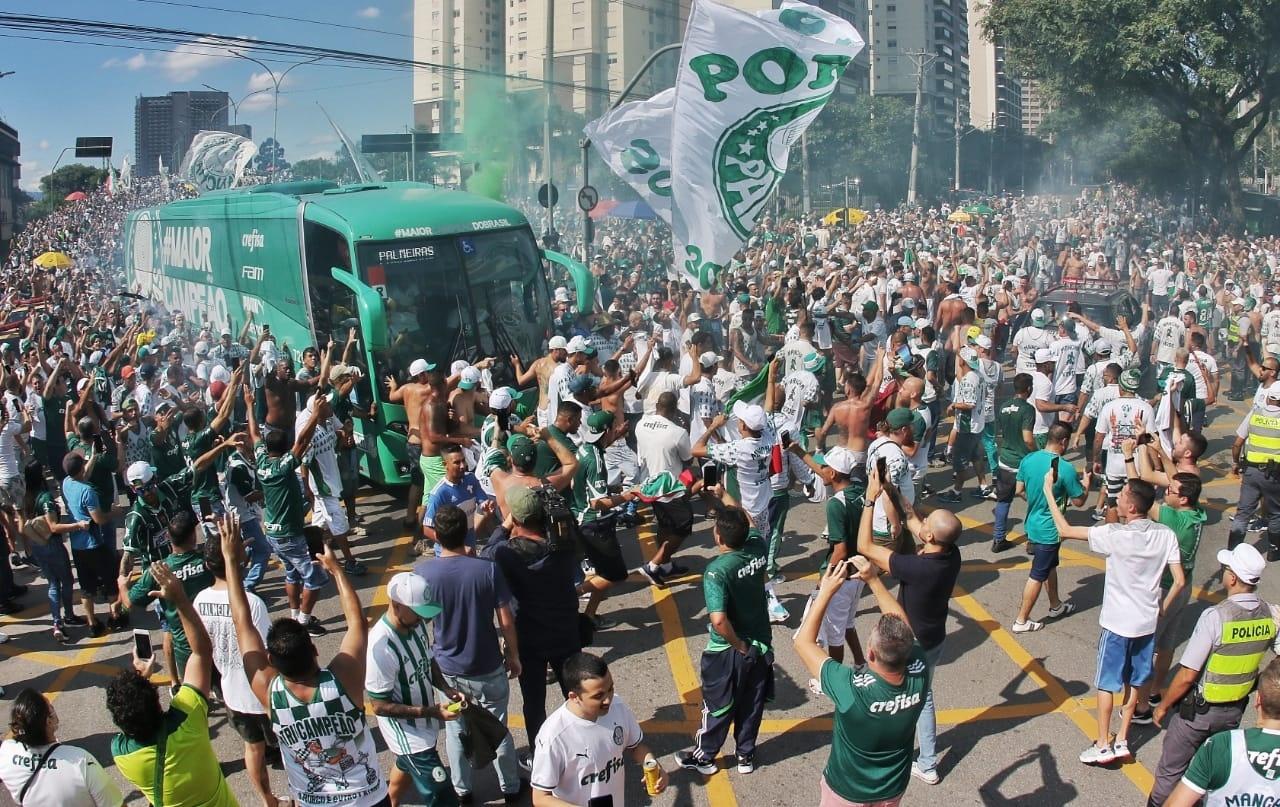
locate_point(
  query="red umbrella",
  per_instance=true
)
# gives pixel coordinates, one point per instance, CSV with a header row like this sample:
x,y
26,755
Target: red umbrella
x,y
76,196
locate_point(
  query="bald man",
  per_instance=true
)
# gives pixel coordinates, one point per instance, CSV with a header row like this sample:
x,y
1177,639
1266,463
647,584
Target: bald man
x,y
926,581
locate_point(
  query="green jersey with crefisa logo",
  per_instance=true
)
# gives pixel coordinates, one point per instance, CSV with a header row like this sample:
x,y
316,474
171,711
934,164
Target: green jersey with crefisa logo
x,y
733,584
875,728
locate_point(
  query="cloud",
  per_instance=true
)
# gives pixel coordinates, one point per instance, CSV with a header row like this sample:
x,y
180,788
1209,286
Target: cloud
x,y
185,62
44,145
369,12
31,174
135,62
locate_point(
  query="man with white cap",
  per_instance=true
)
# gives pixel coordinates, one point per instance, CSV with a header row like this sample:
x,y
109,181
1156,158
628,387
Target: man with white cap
x,y
1029,339
748,458
400,680
1218,669
1256,457
412,394
541,368
1118,421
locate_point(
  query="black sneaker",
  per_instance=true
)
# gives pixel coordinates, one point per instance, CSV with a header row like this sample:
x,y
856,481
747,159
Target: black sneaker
x,y
746,763
75,621
314,627
950,497
98,629
1141,718
1001,546
1154,699
1273,555
16,561
654,576
689,762
118,622
8,607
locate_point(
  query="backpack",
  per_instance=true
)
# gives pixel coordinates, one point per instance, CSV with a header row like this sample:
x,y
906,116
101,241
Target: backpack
x,y
561,526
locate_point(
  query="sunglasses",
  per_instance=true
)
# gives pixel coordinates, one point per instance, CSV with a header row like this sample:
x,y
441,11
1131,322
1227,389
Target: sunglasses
x,y
145,487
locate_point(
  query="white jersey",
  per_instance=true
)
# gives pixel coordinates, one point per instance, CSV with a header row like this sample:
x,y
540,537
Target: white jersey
x,y
70,778
992,376
662,445
800,390
214,610
1117,423
1210,365
557,388
750,458
321,458
579,760
1028,340
398,670
1066,354
1271,332
899,471
1169,335
1244,785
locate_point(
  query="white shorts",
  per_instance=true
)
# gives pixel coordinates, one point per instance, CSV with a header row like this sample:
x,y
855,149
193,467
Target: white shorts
x,y
327,512
841,613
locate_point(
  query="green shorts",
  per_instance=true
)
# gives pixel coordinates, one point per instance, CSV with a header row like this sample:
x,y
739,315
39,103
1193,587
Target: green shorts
x,y
431,777
432,473
1041,440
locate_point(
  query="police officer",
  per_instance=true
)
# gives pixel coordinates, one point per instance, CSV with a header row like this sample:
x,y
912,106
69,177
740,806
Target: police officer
x,y
1218,668
1259,439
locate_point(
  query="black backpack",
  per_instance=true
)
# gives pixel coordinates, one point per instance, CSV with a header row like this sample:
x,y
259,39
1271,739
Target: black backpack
x,y
561,525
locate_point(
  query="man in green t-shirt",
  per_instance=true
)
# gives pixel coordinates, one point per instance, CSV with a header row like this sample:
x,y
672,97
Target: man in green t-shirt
x,y
593,507
568,420
876,704
1015,424
202,435
186,561
283,508
1240,766
737,666
1042,535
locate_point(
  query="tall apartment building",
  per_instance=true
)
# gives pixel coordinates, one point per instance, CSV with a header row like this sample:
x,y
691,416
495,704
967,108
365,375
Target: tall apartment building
x,y
995,97
10,173
163,126
938,27
1034,107
463,36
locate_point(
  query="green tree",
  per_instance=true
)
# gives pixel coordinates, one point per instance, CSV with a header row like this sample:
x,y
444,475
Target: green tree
x,y
866,137
1207,66
270,155
319,168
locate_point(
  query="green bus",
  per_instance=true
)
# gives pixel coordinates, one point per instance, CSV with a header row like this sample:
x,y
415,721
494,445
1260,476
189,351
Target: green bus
x,y
420,272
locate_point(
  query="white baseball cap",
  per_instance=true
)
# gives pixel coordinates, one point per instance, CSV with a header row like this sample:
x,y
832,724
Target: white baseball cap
x,y
983,341
923,322
839,459
557,342
458,366
752,415
577,345
1244,561
709,359
201,348
140,471
1037,316
470,377
414,592
501,398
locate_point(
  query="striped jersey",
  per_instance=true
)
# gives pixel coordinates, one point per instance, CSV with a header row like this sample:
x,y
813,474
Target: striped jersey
x,y
327,747
398,670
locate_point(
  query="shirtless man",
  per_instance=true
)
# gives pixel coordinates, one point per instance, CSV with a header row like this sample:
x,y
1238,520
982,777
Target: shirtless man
x,y
949,309
910,289
281,391
411,395
853,414
433,417
468,400
541,368
524,455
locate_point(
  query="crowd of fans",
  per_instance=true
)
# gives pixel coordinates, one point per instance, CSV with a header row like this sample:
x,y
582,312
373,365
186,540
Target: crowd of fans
x,y
158,465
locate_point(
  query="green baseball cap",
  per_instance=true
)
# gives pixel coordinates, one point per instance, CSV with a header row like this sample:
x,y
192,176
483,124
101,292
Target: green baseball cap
x,y
522,503
522,450
897,418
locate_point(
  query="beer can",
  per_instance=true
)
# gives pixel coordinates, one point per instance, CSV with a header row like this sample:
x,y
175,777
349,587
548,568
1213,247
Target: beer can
x,y
652,774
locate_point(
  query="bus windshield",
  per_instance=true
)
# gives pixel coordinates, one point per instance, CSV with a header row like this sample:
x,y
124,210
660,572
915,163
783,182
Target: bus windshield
x,y
459,297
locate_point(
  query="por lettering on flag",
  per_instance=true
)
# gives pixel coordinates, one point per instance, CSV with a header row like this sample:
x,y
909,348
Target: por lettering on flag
x,y
747,87
634,140
216,160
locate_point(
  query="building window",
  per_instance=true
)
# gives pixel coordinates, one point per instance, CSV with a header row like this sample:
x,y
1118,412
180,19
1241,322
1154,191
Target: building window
x,y
522,36
892,43
891,9
579,8
435,16
612,31
579,36
456,13
523,16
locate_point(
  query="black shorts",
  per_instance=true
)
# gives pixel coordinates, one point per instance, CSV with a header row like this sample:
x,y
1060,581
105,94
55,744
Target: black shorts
x,y
413,452
1006,484
600,544
674,517
96,572
251,728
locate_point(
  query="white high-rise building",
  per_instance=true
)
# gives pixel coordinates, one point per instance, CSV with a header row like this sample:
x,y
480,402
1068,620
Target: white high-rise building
x,y
900,28
995,96
461,36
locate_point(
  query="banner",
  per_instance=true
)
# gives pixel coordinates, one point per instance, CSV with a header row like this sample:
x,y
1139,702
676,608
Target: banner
x,y
747,88
635,141
126,175
216,160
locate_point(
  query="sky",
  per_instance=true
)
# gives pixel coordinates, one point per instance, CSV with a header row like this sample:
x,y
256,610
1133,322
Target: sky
x,y
62,91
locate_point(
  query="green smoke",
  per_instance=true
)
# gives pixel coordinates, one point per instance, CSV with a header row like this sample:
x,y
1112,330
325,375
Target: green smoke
x,y
489,136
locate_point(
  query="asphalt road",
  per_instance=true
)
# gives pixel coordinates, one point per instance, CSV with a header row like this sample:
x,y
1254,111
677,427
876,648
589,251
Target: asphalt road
x,y
1014,711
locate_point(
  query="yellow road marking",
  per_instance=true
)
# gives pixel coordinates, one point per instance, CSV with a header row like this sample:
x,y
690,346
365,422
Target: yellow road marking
x,y
1058,695
719,789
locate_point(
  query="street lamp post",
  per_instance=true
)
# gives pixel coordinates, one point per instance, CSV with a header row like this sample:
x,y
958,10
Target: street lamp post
x,y
275,98
857,186
234,105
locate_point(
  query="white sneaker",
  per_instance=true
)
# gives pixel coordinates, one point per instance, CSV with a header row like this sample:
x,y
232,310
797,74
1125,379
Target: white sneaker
x,y
1027,627
928,777
815,686
1093,755
1120,750
777,611
4,637
776,580
1062,610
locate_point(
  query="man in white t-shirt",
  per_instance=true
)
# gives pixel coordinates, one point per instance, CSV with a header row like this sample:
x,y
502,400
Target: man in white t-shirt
x,y
1067,364
1117,422
248,715
1169,335
1158,282
749,457
1042,398
1028,340
579,753
662,446
1138,550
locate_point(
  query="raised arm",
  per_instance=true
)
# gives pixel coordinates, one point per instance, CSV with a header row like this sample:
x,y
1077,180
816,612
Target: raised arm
x,y
1065,530
257,667
198,673
563,477
349,663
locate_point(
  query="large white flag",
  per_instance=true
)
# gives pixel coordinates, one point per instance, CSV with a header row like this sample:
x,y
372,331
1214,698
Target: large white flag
x,y
747,88
216,160
126,174
635,141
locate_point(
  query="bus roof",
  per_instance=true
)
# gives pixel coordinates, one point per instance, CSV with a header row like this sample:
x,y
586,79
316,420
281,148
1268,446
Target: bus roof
x,y
375,211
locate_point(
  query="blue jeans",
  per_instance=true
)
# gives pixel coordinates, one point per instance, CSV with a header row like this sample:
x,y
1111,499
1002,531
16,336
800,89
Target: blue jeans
x,y
55,566
493,692
927,723
259,551
1006,483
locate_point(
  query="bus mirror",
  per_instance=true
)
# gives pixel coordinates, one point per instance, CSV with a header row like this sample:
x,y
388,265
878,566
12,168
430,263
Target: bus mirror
x,y
584,282
373,313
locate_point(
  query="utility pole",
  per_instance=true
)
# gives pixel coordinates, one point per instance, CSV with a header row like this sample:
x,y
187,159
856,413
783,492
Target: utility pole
x,y
991,140
548,76
922,59
956,183
846,194
804,170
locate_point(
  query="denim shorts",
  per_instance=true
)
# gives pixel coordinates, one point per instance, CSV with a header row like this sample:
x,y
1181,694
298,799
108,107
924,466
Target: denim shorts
x,y
299,566
1123,661
1044,559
